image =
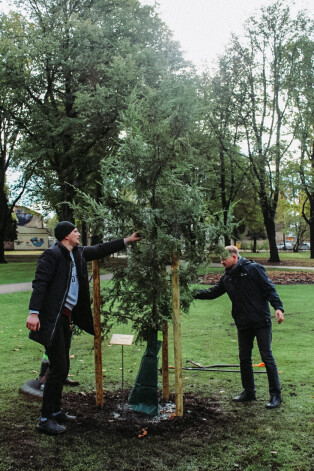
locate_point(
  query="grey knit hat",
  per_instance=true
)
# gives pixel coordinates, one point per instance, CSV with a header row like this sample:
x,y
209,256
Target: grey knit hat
x,y
63,229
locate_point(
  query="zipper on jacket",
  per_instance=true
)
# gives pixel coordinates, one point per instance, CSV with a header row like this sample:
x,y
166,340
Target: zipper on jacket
x,y
63,301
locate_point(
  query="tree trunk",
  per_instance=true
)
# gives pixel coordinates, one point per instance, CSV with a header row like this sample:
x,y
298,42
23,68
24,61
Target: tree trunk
x,y
226,237
254,245
225,204
64,211
311,225
271,235
7,224
2,257
84,233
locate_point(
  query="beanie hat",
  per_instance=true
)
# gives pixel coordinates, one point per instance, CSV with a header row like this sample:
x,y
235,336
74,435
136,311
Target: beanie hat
x,y
63,229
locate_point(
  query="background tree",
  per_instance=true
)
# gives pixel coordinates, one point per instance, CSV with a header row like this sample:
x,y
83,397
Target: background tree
x,y
292,205
248,214
262,67
302,50
85,59
12,110
224,167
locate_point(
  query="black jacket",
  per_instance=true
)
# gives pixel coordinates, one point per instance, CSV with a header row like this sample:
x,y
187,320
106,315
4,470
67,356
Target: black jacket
x,y
250,291
51,286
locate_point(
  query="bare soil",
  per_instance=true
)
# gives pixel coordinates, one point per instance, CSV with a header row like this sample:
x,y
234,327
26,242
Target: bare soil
x,y
201,414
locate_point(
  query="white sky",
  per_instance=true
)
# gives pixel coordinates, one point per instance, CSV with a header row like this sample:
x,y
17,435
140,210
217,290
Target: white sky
x,y
204,27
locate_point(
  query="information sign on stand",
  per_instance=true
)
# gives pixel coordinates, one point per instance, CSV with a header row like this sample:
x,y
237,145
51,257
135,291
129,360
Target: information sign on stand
x,y
121,339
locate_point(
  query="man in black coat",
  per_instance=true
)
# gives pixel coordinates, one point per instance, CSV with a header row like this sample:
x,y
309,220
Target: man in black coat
x,y
61,296
250,292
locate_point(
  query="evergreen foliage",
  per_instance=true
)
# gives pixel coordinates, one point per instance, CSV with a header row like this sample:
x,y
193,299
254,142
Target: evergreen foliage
x,y
158,197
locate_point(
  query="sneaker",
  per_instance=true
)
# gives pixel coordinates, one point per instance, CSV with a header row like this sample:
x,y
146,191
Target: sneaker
x,y
245,396
50,427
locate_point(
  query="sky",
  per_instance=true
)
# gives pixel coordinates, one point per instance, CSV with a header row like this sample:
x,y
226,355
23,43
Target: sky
x,y
204,27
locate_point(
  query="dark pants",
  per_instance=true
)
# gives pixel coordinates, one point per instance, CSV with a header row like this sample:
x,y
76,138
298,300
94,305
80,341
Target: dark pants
x,y
246,339
59,364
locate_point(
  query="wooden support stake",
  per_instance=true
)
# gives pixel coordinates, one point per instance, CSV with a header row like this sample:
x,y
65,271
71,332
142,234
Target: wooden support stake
x,y
97,338
177,334
165,363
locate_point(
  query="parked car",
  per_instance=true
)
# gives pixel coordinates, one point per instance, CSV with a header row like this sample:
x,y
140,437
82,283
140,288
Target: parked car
x,y
287,246
305,246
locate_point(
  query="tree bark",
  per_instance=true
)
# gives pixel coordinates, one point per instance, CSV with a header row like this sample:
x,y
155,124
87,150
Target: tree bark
x,y
271,235
311,225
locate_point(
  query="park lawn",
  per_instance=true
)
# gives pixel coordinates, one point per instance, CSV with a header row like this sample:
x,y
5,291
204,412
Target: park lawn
x,y
22,272
285,256
17,272
249,438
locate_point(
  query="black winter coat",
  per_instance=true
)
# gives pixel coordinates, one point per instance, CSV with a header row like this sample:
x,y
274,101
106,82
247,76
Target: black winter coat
x,y
51,286
250,291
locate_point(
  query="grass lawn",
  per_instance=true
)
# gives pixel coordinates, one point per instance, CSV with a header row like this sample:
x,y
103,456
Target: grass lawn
x,y
303,257
17,272
249,437
22,272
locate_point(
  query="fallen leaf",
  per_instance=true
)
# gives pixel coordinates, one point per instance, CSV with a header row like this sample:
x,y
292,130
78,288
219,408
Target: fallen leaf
x,y
143,434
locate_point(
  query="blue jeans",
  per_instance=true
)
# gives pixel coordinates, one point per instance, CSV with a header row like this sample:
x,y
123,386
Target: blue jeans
x,y
59,363
246,339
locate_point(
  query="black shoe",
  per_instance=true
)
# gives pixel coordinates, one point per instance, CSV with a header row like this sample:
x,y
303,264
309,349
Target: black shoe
x,y
61,418
274,402
69,382
245,397
50,427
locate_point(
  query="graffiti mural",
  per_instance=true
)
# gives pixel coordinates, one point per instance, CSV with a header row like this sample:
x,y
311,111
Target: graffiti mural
x,y
36,242
22,217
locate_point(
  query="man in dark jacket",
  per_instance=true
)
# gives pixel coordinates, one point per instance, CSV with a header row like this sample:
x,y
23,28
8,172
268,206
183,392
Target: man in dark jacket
x,y
61,296
250,292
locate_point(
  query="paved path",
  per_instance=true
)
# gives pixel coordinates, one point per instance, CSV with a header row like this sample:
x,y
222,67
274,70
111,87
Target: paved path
x,y
17,287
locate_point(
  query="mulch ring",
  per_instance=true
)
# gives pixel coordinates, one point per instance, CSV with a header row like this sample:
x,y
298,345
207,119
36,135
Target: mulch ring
x,y
201,415
277,277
